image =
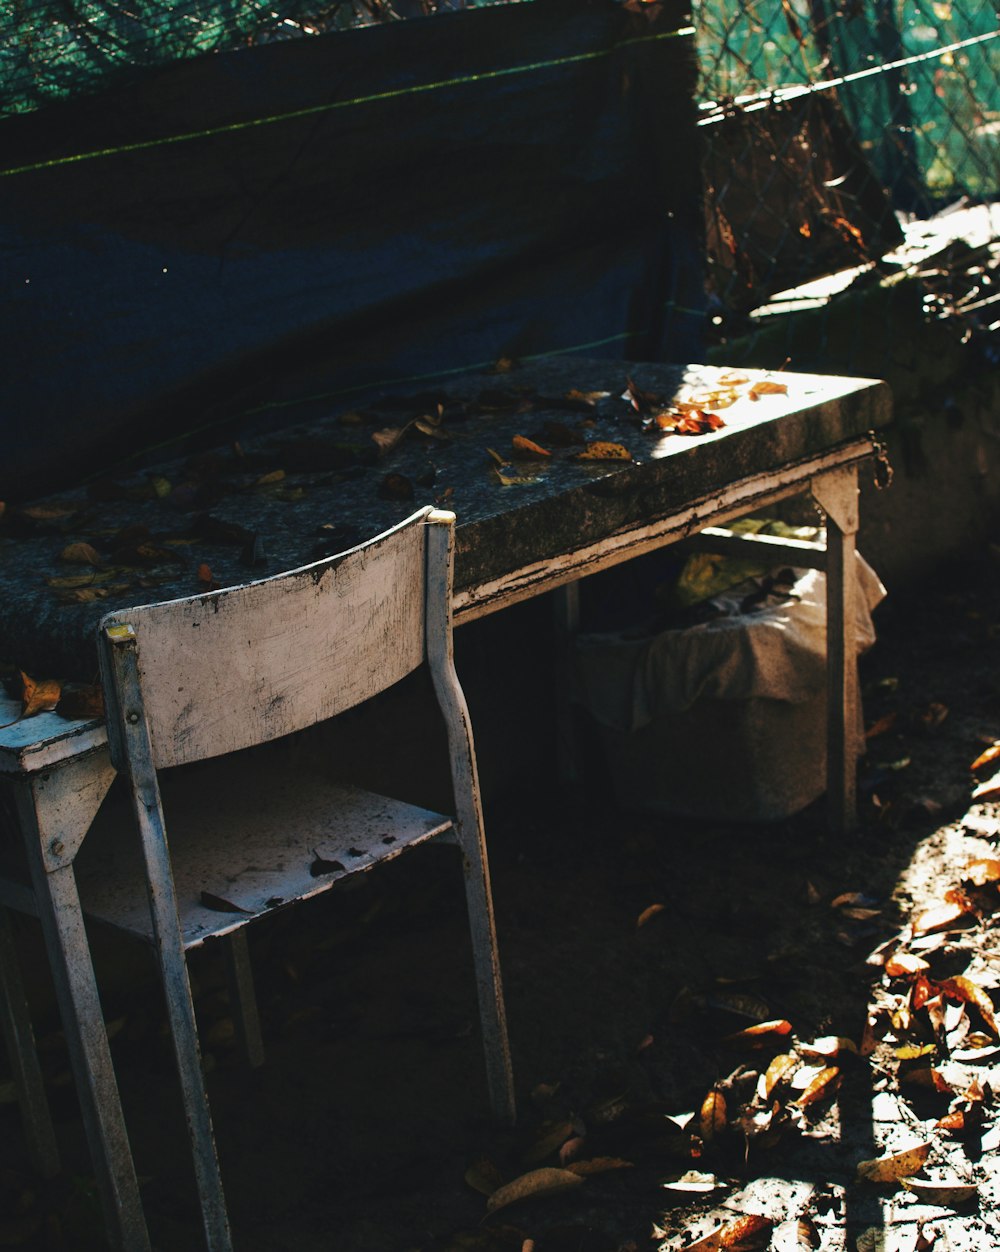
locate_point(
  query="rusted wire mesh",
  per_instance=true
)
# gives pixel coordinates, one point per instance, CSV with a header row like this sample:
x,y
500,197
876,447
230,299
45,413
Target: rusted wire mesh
x,y
828,124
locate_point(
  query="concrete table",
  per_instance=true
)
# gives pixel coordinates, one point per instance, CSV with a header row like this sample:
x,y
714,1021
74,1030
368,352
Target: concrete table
x,y
556,520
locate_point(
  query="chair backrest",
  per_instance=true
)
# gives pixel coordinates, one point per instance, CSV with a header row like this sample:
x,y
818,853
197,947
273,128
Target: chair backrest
x,y
226,670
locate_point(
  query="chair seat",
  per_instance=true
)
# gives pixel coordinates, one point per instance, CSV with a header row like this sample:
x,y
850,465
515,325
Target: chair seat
x,y
246,836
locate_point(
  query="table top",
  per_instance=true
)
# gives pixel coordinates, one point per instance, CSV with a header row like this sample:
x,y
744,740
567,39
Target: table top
x,y
290,497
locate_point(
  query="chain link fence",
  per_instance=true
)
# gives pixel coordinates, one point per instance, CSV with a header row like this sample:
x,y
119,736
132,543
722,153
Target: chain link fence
x,y
851,136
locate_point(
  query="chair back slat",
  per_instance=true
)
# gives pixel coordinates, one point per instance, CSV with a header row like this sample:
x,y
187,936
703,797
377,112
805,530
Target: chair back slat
x,y
226,670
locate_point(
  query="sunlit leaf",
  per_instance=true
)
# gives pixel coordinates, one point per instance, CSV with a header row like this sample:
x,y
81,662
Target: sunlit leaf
x,y
940,917
693,1183
700,422
987,791
948,1194
761,1033
989,757
745,1234
778,1071
712,1118
982,872
895,1166
537,1182
824,1085
965,989
905,965
767,387
913,1051
826,1047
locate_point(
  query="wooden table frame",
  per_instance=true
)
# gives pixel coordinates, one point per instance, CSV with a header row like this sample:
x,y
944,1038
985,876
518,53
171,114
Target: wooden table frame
x,y
59,773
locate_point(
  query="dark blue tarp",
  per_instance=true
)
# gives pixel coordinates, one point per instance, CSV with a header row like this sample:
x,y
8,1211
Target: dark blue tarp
x,y
215,243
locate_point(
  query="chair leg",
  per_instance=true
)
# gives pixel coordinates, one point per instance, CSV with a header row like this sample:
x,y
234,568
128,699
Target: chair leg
x,y
242,997
493,1017
38,1130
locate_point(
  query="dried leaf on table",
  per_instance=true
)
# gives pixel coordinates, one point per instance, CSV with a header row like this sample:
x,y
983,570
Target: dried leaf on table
x,y
267,480
38,695
395,487
81,554
641,401
699,422
81,701
895,1166
537,1182
527,449
81,595
73,582
767,387
387,438
602,450
322,865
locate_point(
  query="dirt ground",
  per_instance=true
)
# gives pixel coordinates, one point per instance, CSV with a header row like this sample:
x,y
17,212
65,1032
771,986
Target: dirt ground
x,y
633,948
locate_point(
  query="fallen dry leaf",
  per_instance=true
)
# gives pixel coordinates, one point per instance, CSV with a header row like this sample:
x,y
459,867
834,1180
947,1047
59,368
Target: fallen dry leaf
x,y
895,1166
927,1077
693,1183
745,1234
982,872
905,965
760,1033
989,757
81,701
826,1047
779,1069
824,1085
940,917
602,450
987,791
38,696
964,989
527,448
649,913
713,1116
598,1165
882,725
483,1176
537,1182
550,1138
946,1193
81,554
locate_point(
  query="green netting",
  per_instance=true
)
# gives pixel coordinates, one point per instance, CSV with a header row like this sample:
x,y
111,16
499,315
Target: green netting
x,y
56,49
923,79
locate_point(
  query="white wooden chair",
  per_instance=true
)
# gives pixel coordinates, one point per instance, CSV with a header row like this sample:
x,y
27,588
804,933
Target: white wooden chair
x,y
215,674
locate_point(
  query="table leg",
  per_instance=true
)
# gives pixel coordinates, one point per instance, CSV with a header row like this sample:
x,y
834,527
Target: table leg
x,y
20,1040
46,816
566,615
837,495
